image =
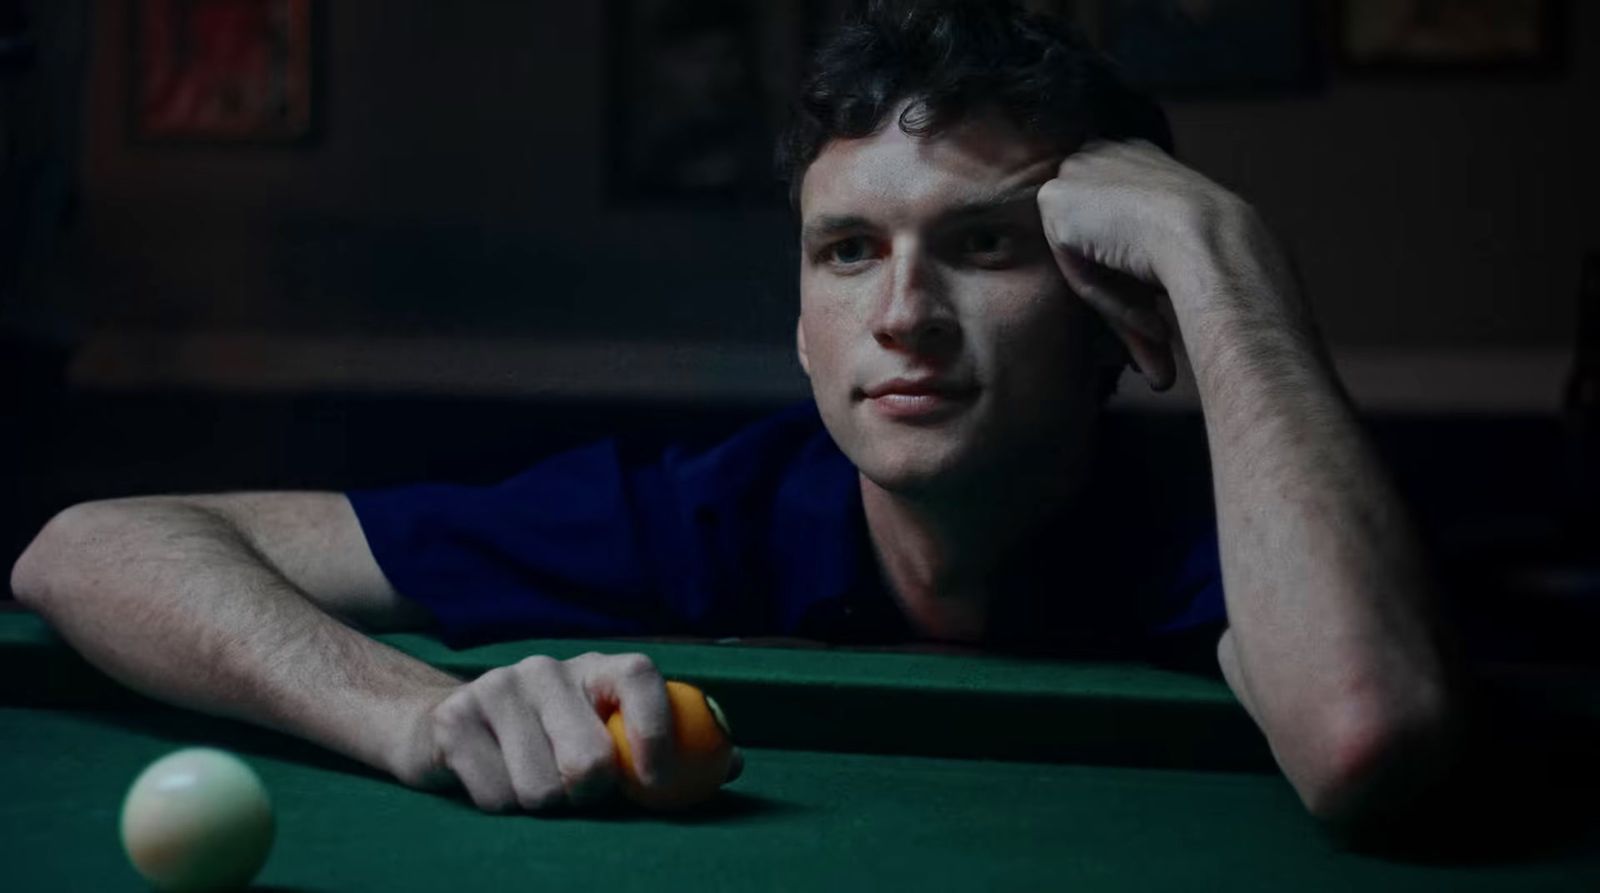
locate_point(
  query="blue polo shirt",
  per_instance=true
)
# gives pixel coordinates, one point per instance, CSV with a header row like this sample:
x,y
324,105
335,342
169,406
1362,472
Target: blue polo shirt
x,y
764,535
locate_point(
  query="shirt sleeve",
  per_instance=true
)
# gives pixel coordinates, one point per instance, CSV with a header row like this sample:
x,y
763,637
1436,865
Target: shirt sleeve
x,y
582,544
1195,612
1196,588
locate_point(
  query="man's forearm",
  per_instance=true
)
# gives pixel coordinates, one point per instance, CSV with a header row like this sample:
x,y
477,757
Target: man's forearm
x,y
1331,648
1327,593
171,600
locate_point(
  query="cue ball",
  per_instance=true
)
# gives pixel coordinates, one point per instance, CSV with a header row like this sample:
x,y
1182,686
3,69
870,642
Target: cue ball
x,y
197,820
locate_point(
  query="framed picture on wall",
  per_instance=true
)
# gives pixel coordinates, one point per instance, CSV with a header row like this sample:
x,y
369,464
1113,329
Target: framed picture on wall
x,y
1451,36
231,71
1203,48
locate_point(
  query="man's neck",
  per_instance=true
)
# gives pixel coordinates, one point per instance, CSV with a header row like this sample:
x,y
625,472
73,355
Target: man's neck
x,y
939,554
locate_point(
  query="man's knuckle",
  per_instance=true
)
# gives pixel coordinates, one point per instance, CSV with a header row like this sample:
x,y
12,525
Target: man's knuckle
x,y
582,664
1208,208
635,666
538,666
495,683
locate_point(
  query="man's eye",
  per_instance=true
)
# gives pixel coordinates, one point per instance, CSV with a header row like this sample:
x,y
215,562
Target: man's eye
x,y
985,242
848,251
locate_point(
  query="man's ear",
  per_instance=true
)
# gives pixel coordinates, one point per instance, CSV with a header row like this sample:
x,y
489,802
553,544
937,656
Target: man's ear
x,y
800,347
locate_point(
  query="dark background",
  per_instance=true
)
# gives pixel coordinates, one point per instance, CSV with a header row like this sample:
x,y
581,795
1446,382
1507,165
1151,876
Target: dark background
x,y
459,184
445,283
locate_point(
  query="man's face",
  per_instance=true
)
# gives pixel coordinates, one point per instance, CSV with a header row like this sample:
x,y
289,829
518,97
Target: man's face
x,y
943,346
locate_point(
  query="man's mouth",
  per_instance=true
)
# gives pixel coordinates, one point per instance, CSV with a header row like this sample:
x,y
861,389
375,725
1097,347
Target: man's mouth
x,y
918,399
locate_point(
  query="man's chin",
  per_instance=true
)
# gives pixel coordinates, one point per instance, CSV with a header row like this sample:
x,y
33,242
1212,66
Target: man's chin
x,y
919,474
908,459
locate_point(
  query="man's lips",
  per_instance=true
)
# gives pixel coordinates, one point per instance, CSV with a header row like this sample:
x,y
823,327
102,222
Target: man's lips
x,y
918,387
918,401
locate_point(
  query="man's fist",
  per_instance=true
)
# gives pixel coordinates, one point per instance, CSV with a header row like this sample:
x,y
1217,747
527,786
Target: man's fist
x,y
1134,232
530,736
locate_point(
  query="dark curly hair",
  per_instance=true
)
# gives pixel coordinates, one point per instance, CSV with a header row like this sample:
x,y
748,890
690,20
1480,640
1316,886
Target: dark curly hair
x,y
951,58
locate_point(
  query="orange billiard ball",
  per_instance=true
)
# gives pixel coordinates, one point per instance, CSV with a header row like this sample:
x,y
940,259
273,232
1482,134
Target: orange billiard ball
x,y
704,747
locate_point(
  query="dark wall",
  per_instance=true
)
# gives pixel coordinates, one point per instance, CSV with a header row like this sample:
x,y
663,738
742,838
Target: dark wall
x,y
458,185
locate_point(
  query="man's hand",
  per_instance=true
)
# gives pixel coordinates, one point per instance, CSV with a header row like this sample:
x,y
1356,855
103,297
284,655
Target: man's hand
x,y
531,736
1135,232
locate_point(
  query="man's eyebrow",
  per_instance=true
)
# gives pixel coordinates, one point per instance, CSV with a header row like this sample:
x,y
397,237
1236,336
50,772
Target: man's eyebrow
x,y
1000,201
833,224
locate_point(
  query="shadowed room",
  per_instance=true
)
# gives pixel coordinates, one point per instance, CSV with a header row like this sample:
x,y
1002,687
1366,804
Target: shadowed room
x,y
318,246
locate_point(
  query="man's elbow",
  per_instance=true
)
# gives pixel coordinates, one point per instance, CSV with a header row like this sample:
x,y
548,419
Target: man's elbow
x,y
43,569
1374,759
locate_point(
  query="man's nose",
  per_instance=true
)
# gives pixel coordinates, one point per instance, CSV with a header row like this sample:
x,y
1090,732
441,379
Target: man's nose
x,y
914,314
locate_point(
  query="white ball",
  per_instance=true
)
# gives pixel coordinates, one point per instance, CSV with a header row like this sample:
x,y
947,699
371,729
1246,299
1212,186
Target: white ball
x,y
197,820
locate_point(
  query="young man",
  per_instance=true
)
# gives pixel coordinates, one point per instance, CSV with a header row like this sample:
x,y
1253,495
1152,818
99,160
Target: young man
x,y
988,221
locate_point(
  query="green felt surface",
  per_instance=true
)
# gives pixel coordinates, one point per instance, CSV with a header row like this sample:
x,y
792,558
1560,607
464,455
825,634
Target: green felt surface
x,y
864,771
796,820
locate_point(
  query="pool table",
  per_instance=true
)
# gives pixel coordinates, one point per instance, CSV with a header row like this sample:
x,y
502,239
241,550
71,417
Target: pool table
x,y
865,770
